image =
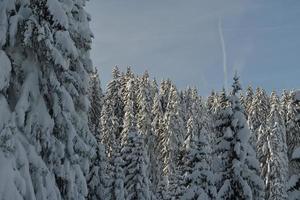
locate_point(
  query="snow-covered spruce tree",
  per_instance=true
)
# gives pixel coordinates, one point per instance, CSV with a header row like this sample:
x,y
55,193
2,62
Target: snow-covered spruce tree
x,y
99,181
158,130
186,103
48,44
129,119
154,90
247,102
114,103
135,167
164,91
257,114
144,120
238,171
170,145
211,101
16,179
198,177
119,177
284,101
144,106
293,145
125,78
136,182
112,116
110,130
96,103
277,163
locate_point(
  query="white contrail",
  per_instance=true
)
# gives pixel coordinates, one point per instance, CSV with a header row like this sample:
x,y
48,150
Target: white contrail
x,y
224,54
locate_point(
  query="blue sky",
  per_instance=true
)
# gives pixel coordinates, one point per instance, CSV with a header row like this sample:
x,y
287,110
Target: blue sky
x,y
179,39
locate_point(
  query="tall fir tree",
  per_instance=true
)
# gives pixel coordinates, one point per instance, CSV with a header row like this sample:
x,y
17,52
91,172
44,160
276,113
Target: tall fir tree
x,y
144,124
172,139
293,145
48,45
196,166
257,114
158,130
248,100
238,172
276,162
96,102
136,182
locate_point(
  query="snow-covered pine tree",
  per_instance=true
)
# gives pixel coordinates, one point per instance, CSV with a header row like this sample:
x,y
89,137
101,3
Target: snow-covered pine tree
x,y
170,144
96,102
154,89
284,101
239,170
119,177
114,102
164,91
196,166
135,167
99,181
144,120
293,145
136,160
257,114
125,78
48,45
129,119
219,115
277,162
158,130
16,179
211,101
144,106
247,102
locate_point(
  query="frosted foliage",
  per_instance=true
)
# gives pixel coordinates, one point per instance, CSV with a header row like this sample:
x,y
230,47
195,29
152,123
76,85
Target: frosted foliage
x,y
5,67
297,95
65,43
238,169
136,161
47,94
59,15
12,186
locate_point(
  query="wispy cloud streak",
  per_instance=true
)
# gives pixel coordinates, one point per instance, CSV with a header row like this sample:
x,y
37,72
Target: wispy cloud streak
x,y
224,54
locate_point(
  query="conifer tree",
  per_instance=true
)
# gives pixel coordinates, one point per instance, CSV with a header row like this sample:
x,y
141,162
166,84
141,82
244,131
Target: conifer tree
x,y
99,181
144,124
158,130
136,182
48,44
198,176
248,100
210,103
96,103
171,142
293,145
238,172
277,169
286,97
164,92
119,178
114,101
257,114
